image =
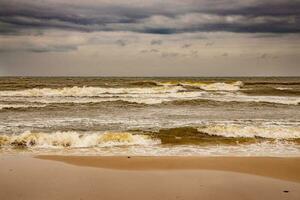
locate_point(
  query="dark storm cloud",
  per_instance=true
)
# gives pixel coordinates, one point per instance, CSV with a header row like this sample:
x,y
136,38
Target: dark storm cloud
x,y
273,8
156,17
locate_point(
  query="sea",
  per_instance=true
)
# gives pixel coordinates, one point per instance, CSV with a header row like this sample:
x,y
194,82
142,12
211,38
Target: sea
x,y
153,116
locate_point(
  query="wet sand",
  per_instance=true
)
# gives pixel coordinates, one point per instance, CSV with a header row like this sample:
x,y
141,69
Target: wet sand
x,y
275,167
71,177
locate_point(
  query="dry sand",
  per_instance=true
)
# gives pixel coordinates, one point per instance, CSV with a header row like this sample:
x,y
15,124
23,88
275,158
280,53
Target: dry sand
x,y
143,178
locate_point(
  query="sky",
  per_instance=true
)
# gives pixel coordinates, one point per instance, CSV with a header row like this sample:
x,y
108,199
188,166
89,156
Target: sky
x,y
150,38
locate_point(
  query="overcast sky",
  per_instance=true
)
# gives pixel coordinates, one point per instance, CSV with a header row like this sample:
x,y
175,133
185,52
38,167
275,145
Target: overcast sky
x,y
150,37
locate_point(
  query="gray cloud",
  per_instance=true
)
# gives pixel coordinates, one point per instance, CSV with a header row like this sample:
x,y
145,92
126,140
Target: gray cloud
x,y
149,51
263,56
169,54
198,37
209,44
121,43
225,54
267,56
169,17
194,53
62,48
186,46
39,49
156,42
21,44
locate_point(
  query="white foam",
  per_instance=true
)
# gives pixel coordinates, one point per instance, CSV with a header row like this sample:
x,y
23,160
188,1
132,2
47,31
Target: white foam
x,y
218,86
223,86
159,98
7,106
245,98
147,98
274,149
74,139
284,88
227,92
276,132
89,91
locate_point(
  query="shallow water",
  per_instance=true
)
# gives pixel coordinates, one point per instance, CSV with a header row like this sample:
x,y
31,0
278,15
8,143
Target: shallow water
x,y
150,116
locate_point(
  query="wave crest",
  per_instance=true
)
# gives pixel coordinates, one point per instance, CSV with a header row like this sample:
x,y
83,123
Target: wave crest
x,y
273,132
223,86
18,106
74,139
90,91
218,86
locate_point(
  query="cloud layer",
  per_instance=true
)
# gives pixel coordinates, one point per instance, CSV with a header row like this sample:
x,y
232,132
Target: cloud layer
x,y
149,37
152,16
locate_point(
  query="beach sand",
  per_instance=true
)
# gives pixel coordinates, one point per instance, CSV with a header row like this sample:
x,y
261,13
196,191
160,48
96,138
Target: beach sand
x,y
143,178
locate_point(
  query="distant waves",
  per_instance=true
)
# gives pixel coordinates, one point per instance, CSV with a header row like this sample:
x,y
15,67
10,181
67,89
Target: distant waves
x,y
161,92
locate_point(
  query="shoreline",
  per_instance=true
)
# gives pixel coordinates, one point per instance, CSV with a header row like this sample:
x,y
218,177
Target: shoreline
x,y
275,167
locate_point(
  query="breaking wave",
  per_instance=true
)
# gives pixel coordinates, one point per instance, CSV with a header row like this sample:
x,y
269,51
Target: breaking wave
x,y
159,88
89,91
192,98
272,91
260,99
223,86
212,136
284,88
145,83
18,106
274,132
188,98
235,86
227,134
176,91
75,139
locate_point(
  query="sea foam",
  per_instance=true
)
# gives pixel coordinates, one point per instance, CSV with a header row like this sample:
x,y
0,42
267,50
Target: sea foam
x,y
75,139
218,86
274,132
15,106
89,91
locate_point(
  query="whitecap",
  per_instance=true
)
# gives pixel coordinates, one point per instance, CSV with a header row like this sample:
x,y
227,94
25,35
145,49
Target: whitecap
x,y
89,91
75,139
275,132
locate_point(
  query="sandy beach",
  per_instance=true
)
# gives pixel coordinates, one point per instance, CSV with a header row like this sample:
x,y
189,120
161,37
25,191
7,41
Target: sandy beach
x,y
85,177
149,100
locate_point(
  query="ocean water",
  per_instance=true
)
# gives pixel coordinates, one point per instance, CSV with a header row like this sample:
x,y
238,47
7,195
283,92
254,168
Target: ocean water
x,y
150,116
